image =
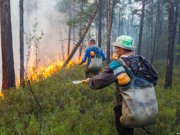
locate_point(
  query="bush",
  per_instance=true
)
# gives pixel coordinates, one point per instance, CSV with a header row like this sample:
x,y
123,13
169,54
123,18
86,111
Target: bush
x,y
68,109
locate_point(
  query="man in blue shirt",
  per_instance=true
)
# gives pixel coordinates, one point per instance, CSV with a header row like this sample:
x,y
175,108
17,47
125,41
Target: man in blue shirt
x,y
89,53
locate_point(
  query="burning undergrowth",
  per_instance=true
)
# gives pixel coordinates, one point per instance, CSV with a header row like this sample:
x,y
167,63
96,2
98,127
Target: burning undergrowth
x,y
34,74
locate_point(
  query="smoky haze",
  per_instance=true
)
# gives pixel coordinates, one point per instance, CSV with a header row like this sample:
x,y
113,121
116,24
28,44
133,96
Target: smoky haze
x,y
49,21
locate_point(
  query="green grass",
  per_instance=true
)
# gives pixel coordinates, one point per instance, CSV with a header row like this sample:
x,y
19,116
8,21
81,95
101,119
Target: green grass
x,y
68,109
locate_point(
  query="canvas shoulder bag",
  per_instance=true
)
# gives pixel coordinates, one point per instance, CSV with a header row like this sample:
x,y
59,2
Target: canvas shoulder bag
x,y
139,103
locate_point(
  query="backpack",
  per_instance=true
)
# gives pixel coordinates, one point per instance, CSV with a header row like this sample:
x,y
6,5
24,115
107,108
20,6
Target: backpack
x,y
141,68
96,62
139,103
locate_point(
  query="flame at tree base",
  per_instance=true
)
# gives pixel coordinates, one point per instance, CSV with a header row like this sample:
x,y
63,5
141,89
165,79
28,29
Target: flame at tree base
x,y
1,94
45,71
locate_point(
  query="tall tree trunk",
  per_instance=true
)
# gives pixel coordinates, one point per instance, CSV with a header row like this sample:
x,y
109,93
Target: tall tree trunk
x,y
141,28
100,23
169,68
158,23
80,47
149,39
155,33
176,19
122,26
21,37
114,2
80,30
8,78
62,43
119,24
81,39
151,31
69,34
108,31
178,46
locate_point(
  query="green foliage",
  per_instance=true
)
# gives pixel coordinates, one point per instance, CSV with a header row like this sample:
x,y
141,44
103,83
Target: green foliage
x,y
68,109
33,40
63,5
82,16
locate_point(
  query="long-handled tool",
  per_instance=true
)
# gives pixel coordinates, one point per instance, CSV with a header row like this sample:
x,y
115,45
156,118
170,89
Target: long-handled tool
x,y
77,81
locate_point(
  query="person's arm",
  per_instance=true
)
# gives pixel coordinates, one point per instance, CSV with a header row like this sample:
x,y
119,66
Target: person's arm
x,y
85,56
101,80
107,77
103,55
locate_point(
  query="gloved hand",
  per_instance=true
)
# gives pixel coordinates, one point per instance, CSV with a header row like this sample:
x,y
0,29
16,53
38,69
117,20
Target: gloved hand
x,y
86,81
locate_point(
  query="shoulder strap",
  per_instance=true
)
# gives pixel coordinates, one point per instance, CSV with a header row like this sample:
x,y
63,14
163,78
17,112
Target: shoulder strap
x,y
127,68
98,53
122,61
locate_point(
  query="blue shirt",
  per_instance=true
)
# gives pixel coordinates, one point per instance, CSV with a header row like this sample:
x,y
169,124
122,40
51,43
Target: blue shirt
x,y
87,55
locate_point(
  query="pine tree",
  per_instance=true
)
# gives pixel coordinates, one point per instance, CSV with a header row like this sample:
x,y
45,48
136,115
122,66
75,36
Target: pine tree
x,y
6,46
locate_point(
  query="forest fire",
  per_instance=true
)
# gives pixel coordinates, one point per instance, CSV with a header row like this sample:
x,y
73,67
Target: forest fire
x,y
1,94
45,71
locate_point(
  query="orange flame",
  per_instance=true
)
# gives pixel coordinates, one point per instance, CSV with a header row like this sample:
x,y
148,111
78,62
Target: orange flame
x,y
1,94
44,71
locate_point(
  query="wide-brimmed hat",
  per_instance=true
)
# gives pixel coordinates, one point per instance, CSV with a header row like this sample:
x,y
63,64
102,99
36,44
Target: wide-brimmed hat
x,y
125,42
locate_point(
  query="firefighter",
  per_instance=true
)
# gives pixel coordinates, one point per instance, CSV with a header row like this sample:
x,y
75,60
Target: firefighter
x,y
116,73
90,52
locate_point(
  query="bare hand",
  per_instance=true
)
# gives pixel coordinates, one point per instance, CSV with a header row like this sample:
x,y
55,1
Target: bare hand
x,y
86,81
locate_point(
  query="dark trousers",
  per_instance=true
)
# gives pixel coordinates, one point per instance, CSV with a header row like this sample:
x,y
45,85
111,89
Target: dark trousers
x,y
121,130
90,73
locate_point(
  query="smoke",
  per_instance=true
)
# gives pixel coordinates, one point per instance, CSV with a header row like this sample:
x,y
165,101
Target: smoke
x,y
49,21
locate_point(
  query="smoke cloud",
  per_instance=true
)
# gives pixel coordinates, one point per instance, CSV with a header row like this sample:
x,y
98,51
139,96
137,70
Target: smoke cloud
x,y
49,20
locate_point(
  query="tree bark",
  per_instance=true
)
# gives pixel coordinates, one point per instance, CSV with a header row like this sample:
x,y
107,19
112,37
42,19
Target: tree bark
x,y
69,34
141,28
8,78
149,36
178,47
155,33
114,2
21,37
176,18
119,25
62,43
81,39
158,30
169,68
80,31
100,24
80,47
108,32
